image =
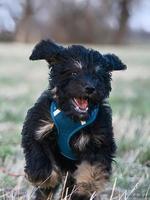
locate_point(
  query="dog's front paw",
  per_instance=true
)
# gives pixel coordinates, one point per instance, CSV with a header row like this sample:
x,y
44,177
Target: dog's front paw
x,y
50,181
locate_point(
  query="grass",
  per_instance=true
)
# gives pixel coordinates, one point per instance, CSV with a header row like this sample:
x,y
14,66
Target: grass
x,y
21,83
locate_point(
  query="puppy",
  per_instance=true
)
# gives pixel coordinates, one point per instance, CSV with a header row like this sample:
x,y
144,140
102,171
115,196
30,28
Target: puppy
x,y
69,128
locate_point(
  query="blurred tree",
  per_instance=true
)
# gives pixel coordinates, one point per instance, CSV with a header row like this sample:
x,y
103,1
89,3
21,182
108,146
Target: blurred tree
x,y
35,23
86,21
23,30
123,17
83,21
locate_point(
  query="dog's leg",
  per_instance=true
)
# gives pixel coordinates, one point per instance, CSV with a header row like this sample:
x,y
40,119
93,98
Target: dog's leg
x,y
40,167
42,194
40,171
89,178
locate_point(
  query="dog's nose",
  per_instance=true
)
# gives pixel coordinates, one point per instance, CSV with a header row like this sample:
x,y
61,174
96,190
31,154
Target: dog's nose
x,y
89,89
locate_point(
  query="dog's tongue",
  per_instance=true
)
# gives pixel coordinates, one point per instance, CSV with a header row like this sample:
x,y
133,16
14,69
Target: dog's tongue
x,y
82,103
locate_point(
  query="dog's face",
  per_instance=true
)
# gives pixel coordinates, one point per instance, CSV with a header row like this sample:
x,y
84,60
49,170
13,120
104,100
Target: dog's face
x,y
79,77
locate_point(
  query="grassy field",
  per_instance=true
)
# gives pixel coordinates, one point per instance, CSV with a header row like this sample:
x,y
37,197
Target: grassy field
x,y
22,81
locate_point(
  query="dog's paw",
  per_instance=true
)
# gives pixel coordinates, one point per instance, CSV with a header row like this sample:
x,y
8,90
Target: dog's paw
x,y
51,181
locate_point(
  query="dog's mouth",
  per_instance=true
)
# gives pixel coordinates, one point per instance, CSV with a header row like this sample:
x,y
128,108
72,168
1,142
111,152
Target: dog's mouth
x,y
81,104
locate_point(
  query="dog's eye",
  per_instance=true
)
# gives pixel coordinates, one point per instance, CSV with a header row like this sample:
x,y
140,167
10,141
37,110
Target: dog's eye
x,y
97,68
74,74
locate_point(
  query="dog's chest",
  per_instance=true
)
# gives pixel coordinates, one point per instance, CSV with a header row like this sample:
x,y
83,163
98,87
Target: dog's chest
x,y
80,141
69,130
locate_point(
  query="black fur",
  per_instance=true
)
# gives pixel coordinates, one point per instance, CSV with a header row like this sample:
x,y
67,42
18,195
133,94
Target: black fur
x,y
75,72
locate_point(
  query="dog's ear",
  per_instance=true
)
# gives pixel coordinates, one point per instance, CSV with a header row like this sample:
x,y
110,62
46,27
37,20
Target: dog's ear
x,y
46,50
113,62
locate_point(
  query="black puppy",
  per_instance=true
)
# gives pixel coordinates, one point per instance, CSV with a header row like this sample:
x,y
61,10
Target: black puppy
x,y
69,129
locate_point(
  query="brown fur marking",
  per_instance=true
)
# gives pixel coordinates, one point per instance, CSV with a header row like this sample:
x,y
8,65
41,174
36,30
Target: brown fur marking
x,y
51,182
44,129
81,142
90,178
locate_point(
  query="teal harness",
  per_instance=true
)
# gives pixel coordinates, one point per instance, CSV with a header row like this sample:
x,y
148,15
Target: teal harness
x,y
66,128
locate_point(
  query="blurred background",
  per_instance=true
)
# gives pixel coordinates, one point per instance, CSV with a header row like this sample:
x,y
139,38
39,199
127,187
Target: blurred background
x,y
84,21
109,26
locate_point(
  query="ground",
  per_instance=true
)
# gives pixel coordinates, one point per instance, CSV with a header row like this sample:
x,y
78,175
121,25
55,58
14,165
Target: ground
x,y
21,82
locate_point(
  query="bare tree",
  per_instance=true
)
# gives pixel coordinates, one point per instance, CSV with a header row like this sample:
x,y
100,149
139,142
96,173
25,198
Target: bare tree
x,y
124,14
98,21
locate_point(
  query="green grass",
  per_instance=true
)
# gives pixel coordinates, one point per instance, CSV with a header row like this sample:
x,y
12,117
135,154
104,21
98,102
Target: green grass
x,y
132,95
22,82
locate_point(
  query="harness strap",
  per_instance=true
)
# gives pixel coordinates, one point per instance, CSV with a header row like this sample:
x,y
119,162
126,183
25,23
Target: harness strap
x,y
66,128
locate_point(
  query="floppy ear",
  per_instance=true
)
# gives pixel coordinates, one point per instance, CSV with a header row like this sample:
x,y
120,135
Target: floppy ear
x,y
113,62
46,50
